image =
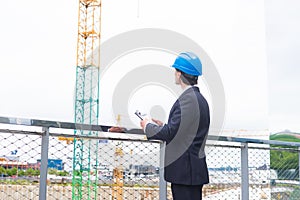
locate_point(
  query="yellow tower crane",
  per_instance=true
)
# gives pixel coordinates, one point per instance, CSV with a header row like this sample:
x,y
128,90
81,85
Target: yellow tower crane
x,y
85,153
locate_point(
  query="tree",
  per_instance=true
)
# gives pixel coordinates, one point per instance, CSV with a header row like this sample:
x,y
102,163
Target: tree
x,y
52,171
12,171
285,162
3,171
36,172
62,173
29,172
21,172
284,159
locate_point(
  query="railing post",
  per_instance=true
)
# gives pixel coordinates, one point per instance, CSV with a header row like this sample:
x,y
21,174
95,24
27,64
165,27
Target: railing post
x,y
162,182
44,164
245,172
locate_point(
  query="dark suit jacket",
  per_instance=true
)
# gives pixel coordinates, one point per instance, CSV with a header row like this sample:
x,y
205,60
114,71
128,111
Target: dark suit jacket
x,y
185,135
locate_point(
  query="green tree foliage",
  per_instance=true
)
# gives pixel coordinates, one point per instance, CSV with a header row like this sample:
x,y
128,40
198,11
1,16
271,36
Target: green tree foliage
x,y
52,171
62,173
3,171
36,172
12,171
284,159
29,172
21,172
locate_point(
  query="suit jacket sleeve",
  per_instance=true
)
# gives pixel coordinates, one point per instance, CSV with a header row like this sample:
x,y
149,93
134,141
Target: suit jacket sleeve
x,y
181,117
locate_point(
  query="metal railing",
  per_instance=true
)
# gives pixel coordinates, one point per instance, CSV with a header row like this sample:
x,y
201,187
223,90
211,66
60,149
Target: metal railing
x,y
36,163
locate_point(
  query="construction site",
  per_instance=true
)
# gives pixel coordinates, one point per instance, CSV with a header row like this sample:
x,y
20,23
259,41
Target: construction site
x,y
84,139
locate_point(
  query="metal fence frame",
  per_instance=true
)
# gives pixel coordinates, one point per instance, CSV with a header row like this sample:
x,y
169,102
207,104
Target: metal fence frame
x,y
243,144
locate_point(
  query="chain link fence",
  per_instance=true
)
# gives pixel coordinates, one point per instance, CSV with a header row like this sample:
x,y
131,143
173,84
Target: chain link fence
x,y
129,167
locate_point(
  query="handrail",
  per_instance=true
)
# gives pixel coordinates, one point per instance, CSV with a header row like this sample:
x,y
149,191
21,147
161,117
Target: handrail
x,y
104,129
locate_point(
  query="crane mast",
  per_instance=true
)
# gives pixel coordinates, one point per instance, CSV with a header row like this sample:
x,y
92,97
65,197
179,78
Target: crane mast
x,y
85,154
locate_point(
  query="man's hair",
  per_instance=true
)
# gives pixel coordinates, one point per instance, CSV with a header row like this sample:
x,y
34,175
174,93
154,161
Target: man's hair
x,y
187,78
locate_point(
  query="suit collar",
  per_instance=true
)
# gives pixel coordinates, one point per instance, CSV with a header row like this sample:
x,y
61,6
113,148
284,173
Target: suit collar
x,y
190,89
186,88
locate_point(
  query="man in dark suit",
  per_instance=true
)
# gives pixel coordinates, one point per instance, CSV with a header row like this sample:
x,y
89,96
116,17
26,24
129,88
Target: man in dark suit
x,y
185,133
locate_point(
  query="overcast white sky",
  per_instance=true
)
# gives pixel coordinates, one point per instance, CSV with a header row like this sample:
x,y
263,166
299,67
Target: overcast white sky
x,y
254,45
283,47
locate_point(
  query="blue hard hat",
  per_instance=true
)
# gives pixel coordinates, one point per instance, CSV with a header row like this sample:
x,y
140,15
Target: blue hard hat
x,y
188,63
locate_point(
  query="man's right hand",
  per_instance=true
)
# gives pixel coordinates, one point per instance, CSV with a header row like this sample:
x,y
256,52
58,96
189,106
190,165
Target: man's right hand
x,y
143,123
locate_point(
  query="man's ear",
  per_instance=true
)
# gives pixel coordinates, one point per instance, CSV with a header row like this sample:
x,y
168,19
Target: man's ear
x,y
181,77
178,74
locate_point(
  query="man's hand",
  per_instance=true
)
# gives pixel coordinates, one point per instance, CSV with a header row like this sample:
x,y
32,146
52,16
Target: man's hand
x,y
144,122
117,129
